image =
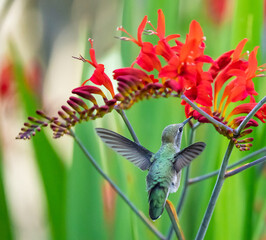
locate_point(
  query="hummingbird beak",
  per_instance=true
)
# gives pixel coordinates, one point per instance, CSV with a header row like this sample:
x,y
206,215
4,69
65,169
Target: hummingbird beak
x,y
186,121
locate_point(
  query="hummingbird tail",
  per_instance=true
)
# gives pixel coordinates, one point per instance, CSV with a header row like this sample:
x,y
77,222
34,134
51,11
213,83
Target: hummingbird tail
x,y
157,198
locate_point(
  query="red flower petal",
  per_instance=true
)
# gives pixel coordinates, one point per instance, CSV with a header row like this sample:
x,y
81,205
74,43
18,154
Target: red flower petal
x,y
141,75
200,117
252,64
147,58
171,70
195,32
100,78
220,63
161,24
204,58
141,29
177,86
237,121
239,49
163,49
246,108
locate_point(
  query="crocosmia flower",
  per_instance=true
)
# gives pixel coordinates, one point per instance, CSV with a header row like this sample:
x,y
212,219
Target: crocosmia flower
x,y
98,77
169,68
236,74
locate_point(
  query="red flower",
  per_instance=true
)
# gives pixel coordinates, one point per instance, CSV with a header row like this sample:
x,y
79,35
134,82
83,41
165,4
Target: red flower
x,y
134,73
98,77
225,63
163,48
182,71
246,108
235,75
147,58
242,86
177,70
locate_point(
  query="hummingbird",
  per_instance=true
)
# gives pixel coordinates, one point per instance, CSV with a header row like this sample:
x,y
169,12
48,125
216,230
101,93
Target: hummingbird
x,y
164,166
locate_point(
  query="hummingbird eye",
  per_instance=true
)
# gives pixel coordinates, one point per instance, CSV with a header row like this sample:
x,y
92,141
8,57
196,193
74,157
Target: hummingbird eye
x,y
180,129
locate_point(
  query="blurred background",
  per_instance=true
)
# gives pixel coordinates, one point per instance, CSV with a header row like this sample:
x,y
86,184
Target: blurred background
x,y
48,190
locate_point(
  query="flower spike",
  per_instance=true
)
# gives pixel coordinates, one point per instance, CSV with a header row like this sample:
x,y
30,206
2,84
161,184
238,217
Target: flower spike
x,y
178,70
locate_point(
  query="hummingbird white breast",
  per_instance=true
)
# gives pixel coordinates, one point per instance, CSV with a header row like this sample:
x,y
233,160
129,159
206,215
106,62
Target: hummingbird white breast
x,y
175,182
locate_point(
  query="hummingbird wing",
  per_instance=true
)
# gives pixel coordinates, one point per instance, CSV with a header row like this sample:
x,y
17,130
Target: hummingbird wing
x,y
132,151
186,155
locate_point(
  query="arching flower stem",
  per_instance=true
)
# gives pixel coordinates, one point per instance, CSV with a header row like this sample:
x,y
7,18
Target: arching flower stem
x,y
221,177
244,167
186,182
129,126
211,174
215,194
250,115
211,119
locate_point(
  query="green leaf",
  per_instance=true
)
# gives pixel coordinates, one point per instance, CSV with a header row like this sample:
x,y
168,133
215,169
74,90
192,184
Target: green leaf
x,y
248,22
84,202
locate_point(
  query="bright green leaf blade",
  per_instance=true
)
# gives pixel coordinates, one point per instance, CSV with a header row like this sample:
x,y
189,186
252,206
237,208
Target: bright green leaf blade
x,y
84,203
248,22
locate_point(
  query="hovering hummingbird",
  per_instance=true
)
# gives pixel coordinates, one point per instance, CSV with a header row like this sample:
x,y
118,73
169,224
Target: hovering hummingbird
x,y
164,166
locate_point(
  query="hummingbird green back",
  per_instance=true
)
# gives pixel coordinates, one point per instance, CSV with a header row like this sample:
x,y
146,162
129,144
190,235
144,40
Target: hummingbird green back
x,y
164,166
162,177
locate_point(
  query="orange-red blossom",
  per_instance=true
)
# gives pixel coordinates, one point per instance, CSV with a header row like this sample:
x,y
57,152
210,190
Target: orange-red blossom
x,y
177,67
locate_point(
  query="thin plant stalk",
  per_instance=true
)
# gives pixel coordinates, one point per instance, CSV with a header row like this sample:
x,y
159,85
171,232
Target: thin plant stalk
x,y
244,167
250,115
211,119
220,180
184,193
211,174
185,185
218,186
115,187
130,128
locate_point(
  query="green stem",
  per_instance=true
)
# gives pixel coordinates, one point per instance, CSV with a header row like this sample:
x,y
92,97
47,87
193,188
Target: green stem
x,y
218,186
115,187
130,128
250,115
186,183
244,167
206,176
184,192
211,119
221,177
